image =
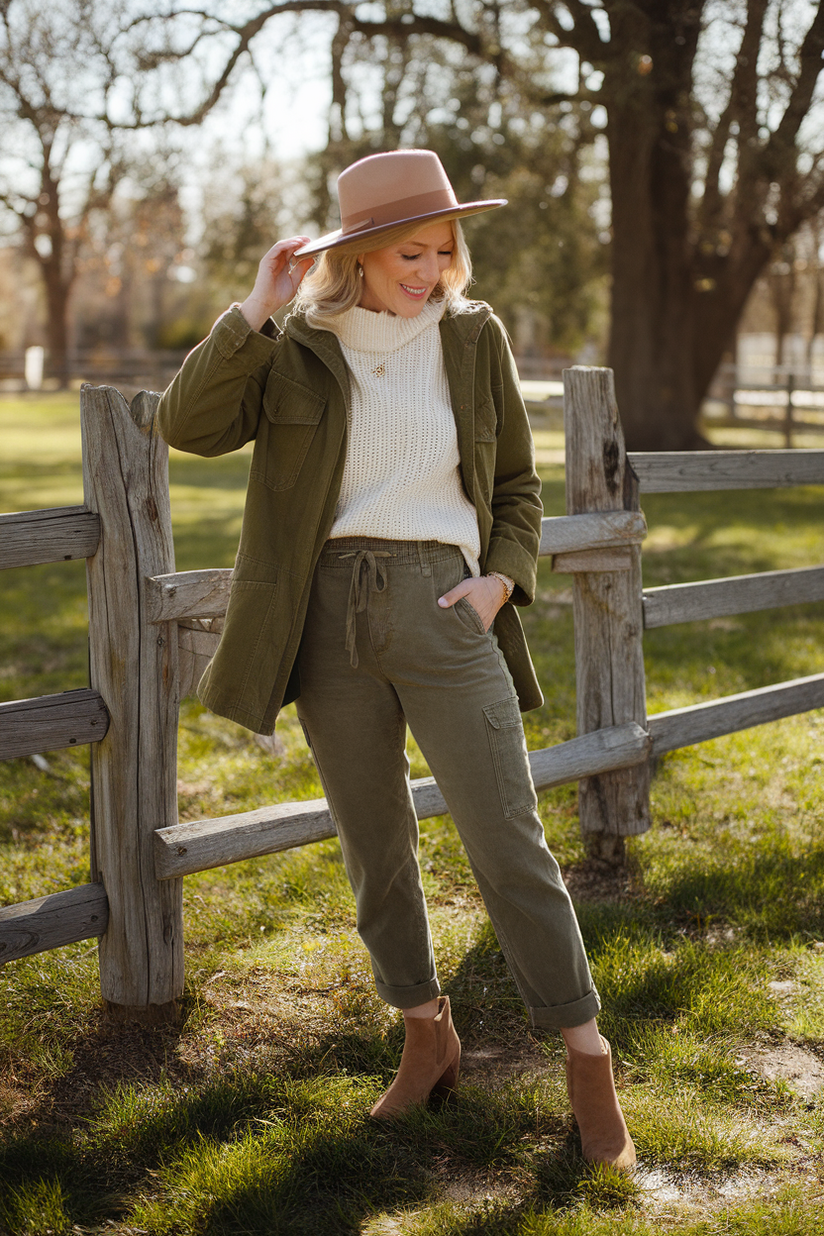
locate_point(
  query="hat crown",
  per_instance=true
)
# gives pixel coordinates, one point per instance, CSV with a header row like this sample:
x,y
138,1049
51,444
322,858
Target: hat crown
x,y
387,188
383,191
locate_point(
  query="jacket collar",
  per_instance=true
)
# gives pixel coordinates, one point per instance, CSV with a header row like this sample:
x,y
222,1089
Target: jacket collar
x,y
462,329
323,343
459,339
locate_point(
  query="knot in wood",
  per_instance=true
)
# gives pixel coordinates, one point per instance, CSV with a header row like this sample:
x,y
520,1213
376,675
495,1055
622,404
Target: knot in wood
x,y
612,464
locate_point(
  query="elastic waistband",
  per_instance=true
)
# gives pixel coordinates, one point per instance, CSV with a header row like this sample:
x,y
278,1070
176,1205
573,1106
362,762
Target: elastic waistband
x,y
401,552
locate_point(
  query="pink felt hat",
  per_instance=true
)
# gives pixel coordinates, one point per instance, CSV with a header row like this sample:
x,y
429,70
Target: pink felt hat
x,y
384,191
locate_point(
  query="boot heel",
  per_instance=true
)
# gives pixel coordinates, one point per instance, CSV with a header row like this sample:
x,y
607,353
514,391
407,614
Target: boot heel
x,y
447,1083
429,1041
591,1089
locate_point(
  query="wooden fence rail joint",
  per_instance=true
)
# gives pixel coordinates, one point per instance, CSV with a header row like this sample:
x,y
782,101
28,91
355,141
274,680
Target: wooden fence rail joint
x,y
591,530
188,594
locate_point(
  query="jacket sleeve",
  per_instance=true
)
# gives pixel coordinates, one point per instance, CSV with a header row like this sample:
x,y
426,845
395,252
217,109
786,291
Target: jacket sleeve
x,y
213,403
517,509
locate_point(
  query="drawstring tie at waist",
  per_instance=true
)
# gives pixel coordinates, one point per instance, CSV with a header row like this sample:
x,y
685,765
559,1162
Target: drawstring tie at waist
x,y
375,581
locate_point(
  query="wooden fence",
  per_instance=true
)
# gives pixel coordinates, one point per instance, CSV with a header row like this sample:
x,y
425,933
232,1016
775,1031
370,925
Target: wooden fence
x,y
152,630
784,399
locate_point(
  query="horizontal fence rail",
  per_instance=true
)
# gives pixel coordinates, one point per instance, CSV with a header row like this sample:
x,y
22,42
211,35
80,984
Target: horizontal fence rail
x,y
183,849
182,595
738,594
29,538
50,722
691,471
53,921
188,594
683,727
567,534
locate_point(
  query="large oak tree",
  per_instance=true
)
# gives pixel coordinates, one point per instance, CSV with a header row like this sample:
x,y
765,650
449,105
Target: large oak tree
x,y
715,152
711,111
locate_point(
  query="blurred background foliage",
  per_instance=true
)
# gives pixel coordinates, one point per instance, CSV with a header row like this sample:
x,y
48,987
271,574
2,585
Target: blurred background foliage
x,y
662,162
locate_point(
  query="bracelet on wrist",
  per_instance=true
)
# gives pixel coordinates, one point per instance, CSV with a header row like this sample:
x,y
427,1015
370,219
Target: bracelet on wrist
x,y
509,584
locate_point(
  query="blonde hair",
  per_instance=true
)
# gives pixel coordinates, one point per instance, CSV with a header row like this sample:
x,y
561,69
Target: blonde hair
x,y
334,284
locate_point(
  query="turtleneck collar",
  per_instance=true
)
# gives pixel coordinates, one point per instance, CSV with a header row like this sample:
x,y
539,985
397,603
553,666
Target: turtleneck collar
x,y
363,330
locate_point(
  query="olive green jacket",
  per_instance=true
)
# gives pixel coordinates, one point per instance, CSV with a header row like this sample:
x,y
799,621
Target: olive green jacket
x,y
289,391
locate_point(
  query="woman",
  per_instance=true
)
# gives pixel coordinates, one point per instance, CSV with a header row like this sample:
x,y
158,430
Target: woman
x,y
392,523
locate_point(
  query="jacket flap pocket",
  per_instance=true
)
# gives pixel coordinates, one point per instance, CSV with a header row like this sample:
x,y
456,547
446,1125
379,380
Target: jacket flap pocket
x,y
286,402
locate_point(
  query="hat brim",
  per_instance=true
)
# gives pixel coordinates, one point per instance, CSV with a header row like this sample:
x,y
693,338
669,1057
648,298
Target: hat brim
x,y
339,238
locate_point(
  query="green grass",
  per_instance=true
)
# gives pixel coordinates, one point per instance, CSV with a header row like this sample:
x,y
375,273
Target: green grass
x,y
250,1116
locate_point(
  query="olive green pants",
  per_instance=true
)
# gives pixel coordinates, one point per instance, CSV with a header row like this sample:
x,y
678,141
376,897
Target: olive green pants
x,y
378,653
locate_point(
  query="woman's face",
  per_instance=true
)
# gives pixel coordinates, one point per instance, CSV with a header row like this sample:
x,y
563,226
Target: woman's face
x,y
401,278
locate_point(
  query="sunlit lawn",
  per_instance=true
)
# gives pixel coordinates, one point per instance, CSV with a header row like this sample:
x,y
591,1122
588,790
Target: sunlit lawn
x,y
250,1117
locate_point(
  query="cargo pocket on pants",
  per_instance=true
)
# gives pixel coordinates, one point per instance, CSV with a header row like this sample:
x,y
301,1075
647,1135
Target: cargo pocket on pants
x,y
509,757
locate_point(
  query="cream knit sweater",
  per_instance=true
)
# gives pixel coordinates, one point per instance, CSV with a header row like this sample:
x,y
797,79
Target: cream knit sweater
x,y
401,479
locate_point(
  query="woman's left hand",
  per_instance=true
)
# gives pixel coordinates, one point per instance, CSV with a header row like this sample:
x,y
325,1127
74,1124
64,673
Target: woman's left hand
x,y
485,594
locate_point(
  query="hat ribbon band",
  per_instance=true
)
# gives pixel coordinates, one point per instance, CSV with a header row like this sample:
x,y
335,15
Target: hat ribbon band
x,y
402,209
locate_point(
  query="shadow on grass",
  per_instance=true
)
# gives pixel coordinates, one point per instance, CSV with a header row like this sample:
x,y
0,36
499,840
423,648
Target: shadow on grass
x,y
276,1138
768,892
255,1152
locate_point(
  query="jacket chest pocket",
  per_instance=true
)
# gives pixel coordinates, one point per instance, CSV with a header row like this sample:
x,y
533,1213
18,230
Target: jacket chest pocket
x,y
291,415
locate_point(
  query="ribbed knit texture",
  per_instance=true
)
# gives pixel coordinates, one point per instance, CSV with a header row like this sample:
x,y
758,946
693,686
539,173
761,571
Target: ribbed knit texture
x,y
401,479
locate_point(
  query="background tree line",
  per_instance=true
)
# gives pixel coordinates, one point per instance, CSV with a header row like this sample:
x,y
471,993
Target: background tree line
x,y
658,153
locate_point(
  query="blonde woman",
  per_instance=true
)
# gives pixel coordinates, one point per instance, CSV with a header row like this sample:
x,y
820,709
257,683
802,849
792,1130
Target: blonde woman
x,y
391,529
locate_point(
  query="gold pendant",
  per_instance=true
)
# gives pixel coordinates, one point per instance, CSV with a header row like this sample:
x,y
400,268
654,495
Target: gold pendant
x,y
378,371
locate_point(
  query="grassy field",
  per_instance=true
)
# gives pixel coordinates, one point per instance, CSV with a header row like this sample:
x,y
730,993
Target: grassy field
x,y
250,1117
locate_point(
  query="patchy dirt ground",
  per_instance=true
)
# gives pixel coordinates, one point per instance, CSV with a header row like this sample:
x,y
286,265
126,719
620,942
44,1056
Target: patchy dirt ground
x,y
799,1068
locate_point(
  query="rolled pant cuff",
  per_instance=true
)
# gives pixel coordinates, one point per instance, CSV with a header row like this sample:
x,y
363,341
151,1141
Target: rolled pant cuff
x,y
565,1016
409,997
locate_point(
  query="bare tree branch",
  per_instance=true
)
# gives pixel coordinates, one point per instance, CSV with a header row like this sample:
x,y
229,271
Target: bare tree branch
x,y
584,36
781,145
742,107
337,118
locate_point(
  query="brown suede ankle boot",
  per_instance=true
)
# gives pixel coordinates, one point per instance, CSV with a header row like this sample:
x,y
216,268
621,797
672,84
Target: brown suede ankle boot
x,y
591,1090
430,1063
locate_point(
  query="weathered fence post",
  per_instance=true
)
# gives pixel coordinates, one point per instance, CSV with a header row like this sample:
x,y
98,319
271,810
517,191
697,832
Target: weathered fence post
x,y
133,664
789,387
607,604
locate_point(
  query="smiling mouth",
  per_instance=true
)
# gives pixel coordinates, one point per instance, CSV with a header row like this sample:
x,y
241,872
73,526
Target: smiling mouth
x,y
413,291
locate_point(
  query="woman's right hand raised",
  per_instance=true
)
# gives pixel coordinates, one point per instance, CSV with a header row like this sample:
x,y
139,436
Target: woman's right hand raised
x,y
277,281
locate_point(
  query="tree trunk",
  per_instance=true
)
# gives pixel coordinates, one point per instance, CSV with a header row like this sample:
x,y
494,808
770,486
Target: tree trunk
x,y
57,268
653,298
677,295
652,324
57,320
